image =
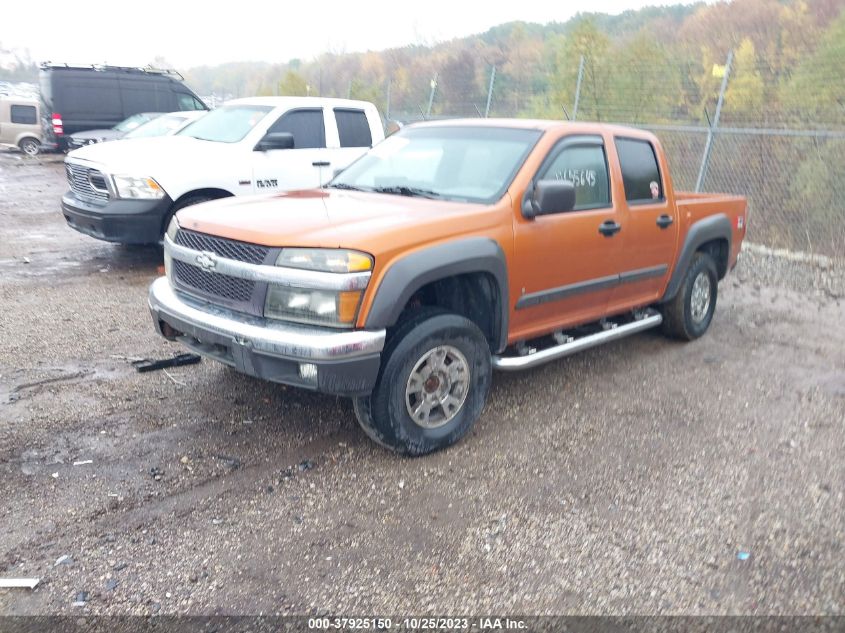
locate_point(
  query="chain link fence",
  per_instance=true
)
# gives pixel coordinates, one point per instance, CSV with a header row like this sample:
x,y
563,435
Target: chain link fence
x,y
789,164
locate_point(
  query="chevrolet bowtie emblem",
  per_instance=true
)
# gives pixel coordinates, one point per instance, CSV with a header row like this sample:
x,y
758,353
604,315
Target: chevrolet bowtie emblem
x,y
206,261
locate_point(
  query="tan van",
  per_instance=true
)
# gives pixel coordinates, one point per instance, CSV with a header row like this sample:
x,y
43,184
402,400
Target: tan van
x,y
20,124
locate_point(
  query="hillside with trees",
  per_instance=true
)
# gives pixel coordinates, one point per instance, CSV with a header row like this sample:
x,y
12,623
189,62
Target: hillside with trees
x,y
654,64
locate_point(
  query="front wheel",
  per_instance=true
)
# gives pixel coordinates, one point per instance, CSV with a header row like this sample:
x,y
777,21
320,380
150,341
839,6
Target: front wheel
x,y
687,316
434,381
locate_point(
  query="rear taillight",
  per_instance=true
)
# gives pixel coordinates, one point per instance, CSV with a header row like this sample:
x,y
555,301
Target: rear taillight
x,y
58,126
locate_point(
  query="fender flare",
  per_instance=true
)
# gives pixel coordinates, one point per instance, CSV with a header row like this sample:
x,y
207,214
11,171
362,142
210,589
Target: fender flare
x,y
714,227
410,273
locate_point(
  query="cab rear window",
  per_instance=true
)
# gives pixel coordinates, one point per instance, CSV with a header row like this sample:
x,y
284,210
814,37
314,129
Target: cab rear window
x,y
353,128
640,172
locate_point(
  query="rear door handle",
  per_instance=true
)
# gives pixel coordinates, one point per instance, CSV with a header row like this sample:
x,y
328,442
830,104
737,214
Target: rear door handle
x,y
609,228
321,163
664,221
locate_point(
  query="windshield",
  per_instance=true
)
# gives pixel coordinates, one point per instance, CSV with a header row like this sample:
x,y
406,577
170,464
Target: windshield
x,y
160,126
228,124
469,164
134,121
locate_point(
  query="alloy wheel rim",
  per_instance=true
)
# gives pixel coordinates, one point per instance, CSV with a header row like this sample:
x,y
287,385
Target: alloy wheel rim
x,y
700,298
437,387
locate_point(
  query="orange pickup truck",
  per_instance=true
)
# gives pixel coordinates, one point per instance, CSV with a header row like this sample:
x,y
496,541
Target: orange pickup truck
x,y
446,251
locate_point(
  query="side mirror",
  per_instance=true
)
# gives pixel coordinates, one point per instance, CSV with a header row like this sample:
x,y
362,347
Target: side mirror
x,y
547,197
275,140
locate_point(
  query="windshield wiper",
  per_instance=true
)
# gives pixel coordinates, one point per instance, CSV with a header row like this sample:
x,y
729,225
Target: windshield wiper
x,y
402,190
343,185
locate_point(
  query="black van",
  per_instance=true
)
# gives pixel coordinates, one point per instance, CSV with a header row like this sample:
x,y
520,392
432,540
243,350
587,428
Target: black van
x,y
78,98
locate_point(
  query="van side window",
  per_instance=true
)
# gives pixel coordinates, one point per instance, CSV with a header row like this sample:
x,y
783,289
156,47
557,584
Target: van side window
x,y
188,102
306,125
353,128
24,114
640,172
585,166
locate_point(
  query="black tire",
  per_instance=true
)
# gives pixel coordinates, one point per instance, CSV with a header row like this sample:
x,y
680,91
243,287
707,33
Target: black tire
x,y
185,202
30,146
384,414
685,318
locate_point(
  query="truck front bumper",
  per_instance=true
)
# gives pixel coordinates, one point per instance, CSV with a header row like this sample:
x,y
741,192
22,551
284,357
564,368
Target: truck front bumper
x,y
339,362
123,221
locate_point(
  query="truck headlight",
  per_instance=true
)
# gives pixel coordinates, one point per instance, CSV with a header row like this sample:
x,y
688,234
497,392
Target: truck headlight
x,y
330,260
138,187
172,229
319,307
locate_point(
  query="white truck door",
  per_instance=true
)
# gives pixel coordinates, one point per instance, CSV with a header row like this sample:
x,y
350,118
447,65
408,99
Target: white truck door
x,y
354,136
306,166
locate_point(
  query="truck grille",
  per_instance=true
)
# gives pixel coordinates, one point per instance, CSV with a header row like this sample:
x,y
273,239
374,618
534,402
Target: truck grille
x,y
86,182
250,253
213,284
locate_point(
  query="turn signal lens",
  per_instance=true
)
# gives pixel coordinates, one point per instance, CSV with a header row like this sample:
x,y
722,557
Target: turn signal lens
x,y
348,306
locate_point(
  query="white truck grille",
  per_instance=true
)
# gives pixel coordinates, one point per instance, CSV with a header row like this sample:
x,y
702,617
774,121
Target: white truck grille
x,y
86,182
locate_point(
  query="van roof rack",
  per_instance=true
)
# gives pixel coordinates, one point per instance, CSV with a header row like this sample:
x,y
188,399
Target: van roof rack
x,y
126,69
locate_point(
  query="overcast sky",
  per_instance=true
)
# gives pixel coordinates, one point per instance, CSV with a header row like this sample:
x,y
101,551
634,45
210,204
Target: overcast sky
x,y
193,33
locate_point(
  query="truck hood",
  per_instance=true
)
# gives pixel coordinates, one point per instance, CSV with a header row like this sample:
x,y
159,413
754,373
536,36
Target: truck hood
x,y
145,156
371,222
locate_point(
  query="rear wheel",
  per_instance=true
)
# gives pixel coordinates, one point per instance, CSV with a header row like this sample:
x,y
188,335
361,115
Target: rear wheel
x,y
688,315
30,146
434,381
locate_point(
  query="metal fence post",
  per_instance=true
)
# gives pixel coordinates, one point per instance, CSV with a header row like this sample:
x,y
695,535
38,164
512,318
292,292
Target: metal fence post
x,y
431,96
708,146
578,88
490,92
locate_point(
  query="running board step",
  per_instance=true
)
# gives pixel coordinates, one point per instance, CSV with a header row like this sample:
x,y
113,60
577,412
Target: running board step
x,y
650,319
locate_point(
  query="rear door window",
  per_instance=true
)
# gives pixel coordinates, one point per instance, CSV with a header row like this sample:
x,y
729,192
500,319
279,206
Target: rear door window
x,y
353,128
306,125
24,114
640,171
584,165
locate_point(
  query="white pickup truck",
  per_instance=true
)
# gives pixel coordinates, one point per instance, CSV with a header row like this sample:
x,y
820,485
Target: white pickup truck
x,y
126,191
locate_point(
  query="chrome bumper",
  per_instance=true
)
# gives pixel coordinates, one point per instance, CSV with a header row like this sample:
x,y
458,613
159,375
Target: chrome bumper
x,y
262,335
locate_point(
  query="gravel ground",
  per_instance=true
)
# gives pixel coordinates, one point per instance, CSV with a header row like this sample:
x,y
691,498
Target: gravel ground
x,y
642,477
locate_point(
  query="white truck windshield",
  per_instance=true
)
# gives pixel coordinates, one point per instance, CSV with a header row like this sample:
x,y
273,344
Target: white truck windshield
x,y
228,124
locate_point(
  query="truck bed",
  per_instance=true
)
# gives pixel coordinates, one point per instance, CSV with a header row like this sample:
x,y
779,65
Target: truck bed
x,y
695,206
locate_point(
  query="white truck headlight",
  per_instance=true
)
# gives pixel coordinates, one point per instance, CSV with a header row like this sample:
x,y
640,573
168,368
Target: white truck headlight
x,y
320,307
137,187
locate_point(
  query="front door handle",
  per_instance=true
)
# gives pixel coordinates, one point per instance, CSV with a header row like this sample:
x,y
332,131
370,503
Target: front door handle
x,y
664,221
321,163
609,228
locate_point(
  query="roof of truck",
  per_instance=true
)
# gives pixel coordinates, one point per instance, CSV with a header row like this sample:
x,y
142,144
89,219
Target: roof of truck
x,y
298,101
578,127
